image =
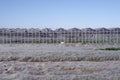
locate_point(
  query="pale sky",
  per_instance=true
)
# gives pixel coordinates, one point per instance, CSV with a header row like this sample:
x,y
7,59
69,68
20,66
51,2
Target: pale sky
x,y
59,13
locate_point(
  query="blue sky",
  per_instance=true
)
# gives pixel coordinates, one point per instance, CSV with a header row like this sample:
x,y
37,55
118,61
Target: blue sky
x,y
59,13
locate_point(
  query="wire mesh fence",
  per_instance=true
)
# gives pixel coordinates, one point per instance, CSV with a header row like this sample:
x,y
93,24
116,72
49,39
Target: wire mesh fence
x,y
74,35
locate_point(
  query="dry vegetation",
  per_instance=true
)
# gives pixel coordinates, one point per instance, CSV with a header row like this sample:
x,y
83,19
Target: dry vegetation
x,y
58,62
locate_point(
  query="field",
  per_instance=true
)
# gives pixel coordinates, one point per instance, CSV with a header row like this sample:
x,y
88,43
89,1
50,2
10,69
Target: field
x,y
59,62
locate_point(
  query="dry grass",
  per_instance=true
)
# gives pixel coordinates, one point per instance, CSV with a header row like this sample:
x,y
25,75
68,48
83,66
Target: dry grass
x,y
58,62
57,58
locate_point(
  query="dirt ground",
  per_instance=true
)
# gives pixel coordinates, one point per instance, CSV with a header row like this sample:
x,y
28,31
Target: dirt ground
x,y
58,62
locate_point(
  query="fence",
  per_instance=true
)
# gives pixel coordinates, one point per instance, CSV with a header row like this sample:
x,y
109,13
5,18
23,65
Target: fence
x,y
74,35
